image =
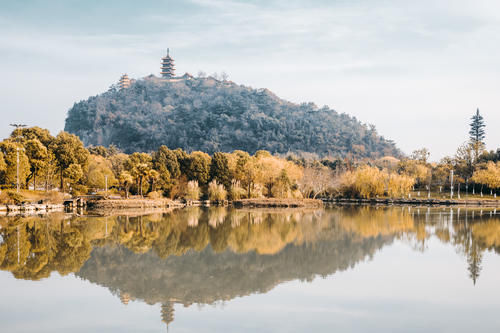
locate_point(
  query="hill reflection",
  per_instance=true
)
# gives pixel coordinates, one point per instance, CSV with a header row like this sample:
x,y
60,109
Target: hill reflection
x,y
210,255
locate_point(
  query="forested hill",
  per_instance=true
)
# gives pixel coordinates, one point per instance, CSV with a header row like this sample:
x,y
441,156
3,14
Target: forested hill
x,y
210,115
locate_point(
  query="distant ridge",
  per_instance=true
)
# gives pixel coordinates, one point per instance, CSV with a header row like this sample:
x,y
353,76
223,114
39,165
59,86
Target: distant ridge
x,y
218,115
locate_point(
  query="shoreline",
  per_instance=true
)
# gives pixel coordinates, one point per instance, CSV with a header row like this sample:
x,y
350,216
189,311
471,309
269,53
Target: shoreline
x,y
30,208
107,206
414,202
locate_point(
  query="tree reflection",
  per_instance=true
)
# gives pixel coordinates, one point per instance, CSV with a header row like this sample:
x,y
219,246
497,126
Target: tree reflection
x,y
210,255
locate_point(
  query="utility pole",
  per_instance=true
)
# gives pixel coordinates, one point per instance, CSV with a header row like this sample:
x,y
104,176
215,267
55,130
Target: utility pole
x,y
430,185
17,170
17,151
106,181
451,184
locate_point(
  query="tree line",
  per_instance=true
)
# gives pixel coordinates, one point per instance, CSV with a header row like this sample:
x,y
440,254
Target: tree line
x,y
64,163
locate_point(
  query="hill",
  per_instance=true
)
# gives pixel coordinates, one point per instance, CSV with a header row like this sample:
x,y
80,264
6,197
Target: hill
x,y
211,115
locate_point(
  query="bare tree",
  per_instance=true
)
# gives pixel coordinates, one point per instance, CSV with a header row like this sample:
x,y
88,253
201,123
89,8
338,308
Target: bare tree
x,y
316,181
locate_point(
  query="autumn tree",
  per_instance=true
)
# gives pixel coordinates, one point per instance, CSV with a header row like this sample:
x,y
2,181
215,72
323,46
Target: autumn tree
x,y
126,181
417,169
398,185
268,170
199,167
118,161
3,166
464,160
10,150
281,186
38,157
489,176
23,135
183,160
68,150
139,165
73,173
49,170
364,182
369,182
153,177
99,169
246,171
99,150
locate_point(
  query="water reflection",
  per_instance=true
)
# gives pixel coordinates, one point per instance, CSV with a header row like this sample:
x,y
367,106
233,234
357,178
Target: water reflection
x,y
207,256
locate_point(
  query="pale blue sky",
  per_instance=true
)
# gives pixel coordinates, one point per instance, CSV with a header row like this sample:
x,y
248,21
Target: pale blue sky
x,y
415,69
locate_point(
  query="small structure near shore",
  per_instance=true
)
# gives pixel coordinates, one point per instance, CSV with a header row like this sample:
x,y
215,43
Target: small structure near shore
x,y
82,201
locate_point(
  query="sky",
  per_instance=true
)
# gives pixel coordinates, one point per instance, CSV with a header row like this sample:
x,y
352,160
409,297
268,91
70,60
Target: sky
x,y
417,70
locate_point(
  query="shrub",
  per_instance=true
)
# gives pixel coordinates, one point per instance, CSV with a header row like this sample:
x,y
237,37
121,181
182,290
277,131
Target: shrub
x,y
78,189
192,190
216,192
155,195
365,182
12,198
54,197
368,182
236,192
399,185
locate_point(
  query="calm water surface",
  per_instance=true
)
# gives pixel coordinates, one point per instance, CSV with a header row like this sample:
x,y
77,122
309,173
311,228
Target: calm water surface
x,y
220,270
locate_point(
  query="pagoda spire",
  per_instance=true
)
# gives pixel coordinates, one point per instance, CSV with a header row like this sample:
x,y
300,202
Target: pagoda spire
x,y
124,82
167,66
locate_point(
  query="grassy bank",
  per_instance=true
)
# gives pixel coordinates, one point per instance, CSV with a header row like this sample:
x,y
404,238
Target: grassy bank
x,y
11,197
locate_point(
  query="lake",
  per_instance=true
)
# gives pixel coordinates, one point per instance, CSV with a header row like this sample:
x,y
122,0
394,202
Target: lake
x,y
347,269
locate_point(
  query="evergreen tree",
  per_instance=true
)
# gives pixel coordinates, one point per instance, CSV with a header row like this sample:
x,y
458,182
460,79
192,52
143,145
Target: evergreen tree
x,y
199,167
477,133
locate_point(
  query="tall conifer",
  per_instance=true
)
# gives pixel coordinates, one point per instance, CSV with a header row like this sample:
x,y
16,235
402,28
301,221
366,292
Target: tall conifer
x,y
477,133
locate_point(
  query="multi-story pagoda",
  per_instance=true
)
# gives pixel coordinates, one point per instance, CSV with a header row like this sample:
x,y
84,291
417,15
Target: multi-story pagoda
x,y
124,82
167,66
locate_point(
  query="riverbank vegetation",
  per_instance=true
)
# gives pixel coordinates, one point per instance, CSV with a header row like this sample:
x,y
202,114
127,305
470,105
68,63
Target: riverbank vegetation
x,y
44,163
